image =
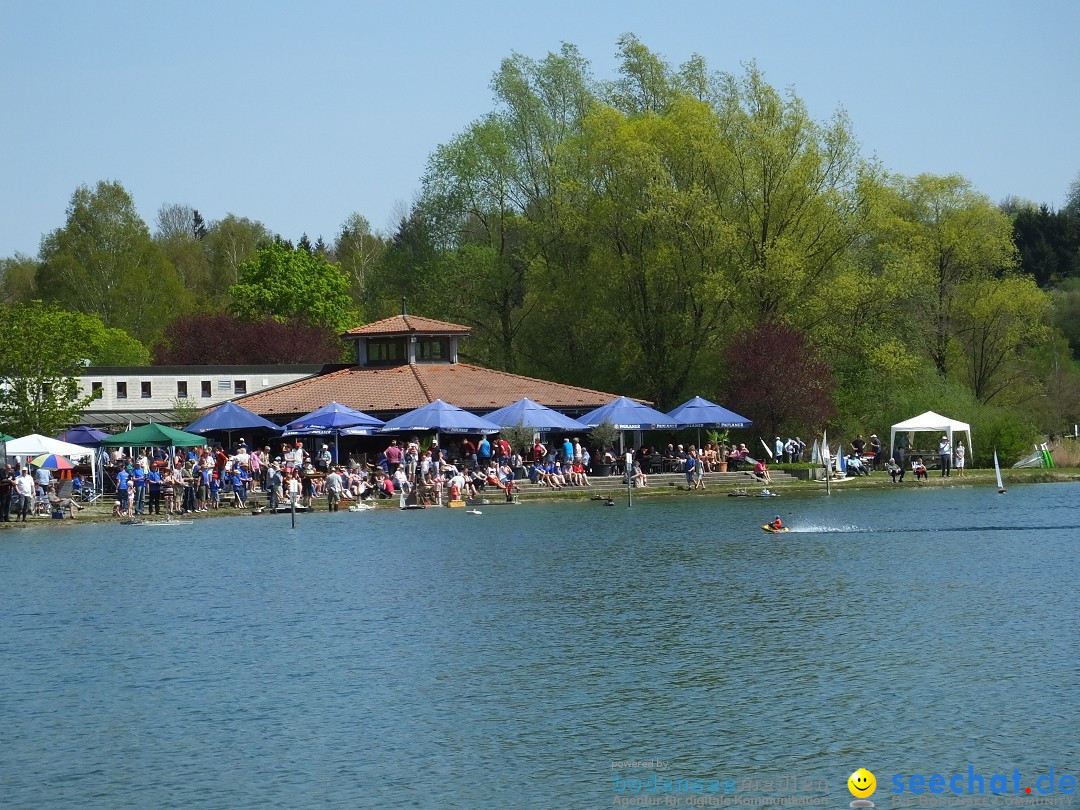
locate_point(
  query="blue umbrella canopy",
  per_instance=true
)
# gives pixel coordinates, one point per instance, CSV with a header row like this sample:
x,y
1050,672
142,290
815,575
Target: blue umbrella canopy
x,y
699,412
230,416
333,415
534,415
440,416
83,435
626,414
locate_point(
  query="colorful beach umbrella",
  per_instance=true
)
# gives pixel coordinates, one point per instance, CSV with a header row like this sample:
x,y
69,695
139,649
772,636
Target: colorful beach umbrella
x,y
51,461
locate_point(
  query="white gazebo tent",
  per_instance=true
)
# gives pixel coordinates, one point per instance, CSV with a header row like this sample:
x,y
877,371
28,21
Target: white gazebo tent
x,y
35,444
931,422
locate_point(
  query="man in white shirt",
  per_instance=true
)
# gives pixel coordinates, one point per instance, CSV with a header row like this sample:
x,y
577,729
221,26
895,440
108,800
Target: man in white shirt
x,y
24,488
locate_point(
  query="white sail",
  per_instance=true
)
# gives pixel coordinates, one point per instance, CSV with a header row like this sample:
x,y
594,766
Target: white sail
x,y
997,472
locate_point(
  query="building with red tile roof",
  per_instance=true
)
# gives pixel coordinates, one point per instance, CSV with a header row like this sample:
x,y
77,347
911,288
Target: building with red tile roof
x,y
407,361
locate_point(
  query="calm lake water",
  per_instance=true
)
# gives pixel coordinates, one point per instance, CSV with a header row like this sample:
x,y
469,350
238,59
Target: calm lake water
x,y
521,658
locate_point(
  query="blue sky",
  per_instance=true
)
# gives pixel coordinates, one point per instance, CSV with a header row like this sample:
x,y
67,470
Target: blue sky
x,y
300,114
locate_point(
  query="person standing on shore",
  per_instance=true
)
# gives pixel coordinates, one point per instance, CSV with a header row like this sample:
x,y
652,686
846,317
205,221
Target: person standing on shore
x,y
334,486
24,487
875,448
153,490
945,451
960,453
394,456
7,486
903,445
699,471
294,489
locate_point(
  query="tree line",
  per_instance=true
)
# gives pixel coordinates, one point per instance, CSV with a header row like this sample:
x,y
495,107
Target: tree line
x,y
670,232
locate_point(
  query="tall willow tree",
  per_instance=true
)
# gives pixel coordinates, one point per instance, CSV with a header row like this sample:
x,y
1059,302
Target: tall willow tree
x,y
791,189
492,197
660,248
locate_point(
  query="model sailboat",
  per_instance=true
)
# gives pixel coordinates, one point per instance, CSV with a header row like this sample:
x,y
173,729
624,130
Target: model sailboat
x,y
997,472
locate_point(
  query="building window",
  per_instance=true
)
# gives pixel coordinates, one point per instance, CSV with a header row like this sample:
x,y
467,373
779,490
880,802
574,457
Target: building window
x,y
146,393
240,386
121,390
386,352
96,390
181,389
432,350
204,388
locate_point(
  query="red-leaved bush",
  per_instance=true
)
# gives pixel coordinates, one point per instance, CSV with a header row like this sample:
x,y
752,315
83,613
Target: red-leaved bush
x,y
223,339
775,378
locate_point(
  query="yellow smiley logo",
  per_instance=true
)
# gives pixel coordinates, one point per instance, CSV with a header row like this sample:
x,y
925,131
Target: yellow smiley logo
x,y
861,783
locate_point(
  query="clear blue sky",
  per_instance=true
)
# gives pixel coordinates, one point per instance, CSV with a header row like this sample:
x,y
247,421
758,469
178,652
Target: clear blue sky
x,y
299,114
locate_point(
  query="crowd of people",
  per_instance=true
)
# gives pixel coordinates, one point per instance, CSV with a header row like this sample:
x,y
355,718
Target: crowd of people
x,y
864,457
26,493
201,479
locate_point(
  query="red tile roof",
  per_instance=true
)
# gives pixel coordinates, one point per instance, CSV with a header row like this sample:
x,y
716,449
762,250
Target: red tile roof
x,y
406,325
402,388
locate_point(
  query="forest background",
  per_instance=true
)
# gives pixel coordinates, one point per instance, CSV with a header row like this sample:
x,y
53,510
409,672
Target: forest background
x,y
670,232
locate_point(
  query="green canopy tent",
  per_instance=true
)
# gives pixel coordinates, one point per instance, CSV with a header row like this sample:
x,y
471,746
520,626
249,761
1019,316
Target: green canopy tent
x,y
154,435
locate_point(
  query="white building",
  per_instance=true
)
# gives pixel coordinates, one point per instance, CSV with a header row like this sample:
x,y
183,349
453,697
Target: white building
x,y
141,394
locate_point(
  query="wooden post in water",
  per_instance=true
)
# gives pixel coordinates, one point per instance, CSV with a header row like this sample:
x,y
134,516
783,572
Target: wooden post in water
x,y
629,463
827,461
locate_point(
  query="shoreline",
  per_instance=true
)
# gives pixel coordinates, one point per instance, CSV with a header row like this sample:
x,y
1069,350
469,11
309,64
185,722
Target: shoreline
x,y
102,512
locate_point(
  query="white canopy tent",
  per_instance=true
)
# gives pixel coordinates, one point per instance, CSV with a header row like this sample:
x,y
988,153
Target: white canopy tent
x,y
35,445
931,422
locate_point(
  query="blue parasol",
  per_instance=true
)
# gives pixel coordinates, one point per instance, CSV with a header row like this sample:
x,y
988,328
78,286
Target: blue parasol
x,y
83,435
699,412
333,415
534,415
230,416
626,414
333,419
442,417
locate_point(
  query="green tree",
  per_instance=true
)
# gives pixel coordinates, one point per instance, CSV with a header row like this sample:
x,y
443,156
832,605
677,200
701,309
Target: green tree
x,y
292,285
357,250
793,189
229,243
948,236
996,320
179,231
100,345
18,279
104,262
1067,310
659,245
39,392
412,268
